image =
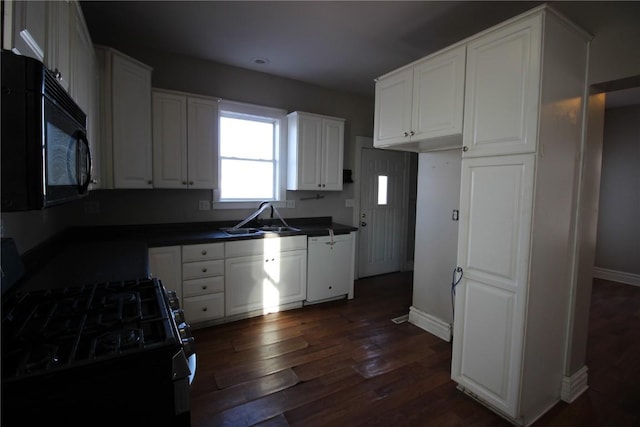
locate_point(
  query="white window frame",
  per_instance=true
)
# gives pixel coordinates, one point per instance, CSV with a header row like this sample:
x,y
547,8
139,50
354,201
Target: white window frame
x,y
279,117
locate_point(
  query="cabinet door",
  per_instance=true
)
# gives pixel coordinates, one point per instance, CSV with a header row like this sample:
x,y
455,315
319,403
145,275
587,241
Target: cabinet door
x,y
169,140
84,86
58,55
202,142
204,307
264,282
493,250
131,123
288,276
502,90
246,287
392,120
438,95
29,27
165,264
332,154
309,151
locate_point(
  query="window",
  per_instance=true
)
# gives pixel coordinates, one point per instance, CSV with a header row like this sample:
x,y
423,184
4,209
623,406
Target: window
x,y
382,189
251,143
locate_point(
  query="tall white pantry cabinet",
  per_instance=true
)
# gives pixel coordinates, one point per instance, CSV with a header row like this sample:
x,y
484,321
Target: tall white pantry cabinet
x,y
525,89
524,101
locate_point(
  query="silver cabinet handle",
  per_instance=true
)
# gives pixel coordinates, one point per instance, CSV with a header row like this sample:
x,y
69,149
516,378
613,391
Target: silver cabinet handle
x,y
465,148
412,133
363,224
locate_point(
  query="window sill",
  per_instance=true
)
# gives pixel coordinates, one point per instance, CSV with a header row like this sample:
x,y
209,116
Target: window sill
x,y
245,205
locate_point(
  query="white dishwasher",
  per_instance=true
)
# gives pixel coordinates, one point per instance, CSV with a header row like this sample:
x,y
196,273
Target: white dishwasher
x,y
329,272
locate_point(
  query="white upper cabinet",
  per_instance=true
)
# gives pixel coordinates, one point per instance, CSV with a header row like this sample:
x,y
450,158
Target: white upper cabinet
x,y
420,108
84,87
58,56
185,131
202,142
316,152
126,113
25,24
502,90
169,140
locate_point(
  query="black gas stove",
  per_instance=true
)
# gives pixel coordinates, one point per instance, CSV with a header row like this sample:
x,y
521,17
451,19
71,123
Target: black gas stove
x,y
102,354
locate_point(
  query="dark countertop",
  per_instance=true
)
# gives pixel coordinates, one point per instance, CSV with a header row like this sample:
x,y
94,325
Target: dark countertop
x,y
78,264
83,255
155,235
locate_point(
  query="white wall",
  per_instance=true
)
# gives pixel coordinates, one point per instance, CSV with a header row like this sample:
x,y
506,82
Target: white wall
x,y
436,249
618,244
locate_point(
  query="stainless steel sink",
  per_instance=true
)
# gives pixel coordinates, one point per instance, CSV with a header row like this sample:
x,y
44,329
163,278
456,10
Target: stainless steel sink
x,y
241,231
278,229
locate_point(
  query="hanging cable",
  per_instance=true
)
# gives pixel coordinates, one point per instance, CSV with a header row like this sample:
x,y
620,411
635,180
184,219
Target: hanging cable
x,y
454,283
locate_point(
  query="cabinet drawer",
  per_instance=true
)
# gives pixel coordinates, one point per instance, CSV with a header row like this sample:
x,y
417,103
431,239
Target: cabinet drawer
x,y
204,307
202,252
201,269
266,245
208,285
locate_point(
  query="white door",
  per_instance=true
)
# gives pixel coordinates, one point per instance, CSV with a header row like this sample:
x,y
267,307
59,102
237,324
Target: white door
x,y
382,206
493,250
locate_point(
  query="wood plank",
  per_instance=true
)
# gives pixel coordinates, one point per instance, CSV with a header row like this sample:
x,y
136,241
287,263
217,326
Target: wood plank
x,y
344,363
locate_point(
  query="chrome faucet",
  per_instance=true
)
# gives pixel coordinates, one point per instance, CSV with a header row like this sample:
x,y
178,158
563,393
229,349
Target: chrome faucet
x,y
260,209
264,205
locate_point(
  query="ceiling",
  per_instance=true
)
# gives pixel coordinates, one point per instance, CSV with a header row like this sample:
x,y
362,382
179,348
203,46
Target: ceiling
x,y
341,45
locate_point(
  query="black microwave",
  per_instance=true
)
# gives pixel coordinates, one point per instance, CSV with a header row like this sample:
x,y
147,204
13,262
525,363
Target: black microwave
x,y
46,158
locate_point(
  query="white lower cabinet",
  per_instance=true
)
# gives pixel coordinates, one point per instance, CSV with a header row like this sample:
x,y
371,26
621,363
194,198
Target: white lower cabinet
x,y
165,263
204,307
203,281
493,251
330,267
265,274
221,281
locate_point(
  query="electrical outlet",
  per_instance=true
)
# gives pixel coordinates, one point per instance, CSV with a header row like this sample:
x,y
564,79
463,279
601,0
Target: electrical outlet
x,y
291,204
204,205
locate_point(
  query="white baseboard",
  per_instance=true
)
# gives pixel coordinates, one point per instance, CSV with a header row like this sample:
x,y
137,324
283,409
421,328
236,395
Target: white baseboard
x,y
617,276
574,386
429,323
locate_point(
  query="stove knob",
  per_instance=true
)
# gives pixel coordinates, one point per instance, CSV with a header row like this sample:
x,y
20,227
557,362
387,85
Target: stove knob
x,y
188,345
174,303
185,331
178,316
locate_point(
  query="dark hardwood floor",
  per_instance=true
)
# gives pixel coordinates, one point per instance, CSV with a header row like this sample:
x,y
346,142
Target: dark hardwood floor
x,y
347,364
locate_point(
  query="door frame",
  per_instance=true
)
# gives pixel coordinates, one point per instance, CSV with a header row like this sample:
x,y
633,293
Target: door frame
x,y
367,142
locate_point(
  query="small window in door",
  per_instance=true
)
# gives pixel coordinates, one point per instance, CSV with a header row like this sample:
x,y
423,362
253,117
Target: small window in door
x,y
382,189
